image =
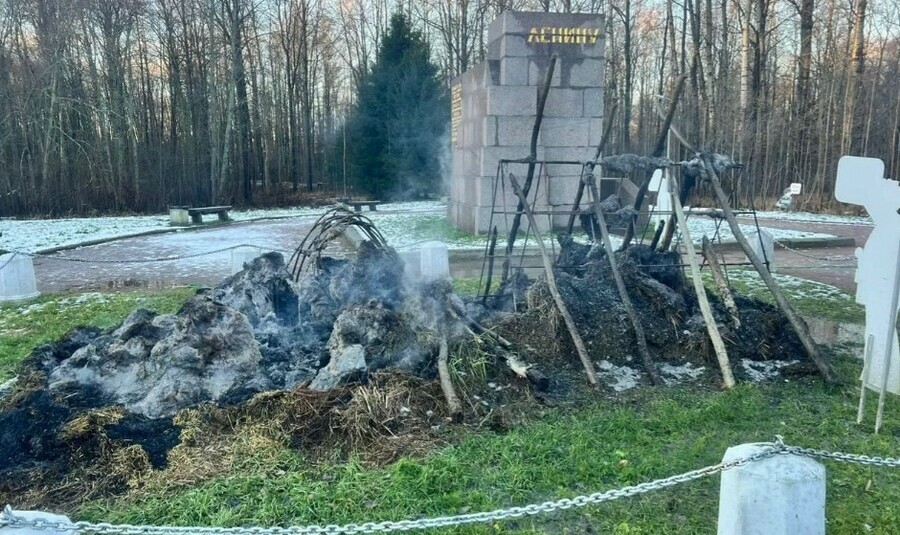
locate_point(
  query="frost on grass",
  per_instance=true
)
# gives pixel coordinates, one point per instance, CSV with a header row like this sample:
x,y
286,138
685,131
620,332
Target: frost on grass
x,y
793,287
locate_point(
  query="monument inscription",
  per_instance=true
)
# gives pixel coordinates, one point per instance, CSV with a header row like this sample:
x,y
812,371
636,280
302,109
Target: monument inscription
x,y
565,36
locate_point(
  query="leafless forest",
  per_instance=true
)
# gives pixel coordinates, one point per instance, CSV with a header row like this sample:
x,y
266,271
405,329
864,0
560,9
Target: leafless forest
x,y
133,105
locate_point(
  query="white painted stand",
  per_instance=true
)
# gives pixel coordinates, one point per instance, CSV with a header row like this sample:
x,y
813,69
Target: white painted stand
x,y
763,244
660,184
779,495
241,256
17,281
435,261
37,515
861,181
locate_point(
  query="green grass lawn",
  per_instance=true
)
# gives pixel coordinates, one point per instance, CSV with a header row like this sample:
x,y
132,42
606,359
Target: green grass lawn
x,y
810,298
649,434
603,444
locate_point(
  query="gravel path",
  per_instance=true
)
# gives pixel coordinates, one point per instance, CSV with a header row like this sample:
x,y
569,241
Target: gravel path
x,y
798,265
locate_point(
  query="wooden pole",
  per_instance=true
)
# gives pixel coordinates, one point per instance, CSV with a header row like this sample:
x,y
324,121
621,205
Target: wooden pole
x,y
589,168
669,230
639,336
492,247
551,283
454,407
657,152
532,155
702,299
888,346
796,322
719,278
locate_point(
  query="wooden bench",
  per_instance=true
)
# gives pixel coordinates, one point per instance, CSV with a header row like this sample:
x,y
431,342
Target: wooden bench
x,y
357,205
178,215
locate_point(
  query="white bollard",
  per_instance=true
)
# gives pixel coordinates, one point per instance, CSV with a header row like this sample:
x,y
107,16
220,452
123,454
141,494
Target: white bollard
x,y
779,495
17,281
37,515
765,250
241,256
434,262
179,217
412,264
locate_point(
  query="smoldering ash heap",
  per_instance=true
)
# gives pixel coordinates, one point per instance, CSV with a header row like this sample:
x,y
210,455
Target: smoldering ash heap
x,y
495,102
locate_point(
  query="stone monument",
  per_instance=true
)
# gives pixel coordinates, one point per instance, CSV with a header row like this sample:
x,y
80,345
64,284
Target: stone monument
x,y
494,106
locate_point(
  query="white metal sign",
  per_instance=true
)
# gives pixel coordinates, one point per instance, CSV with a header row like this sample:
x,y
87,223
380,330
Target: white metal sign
x,y
861,181
796,188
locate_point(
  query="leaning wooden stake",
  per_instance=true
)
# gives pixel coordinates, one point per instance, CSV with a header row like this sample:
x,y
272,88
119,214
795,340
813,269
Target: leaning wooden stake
x,y
532,156
639,336
702,299
589,167
492,246
798,325
658,150
454,407
551,283
719,278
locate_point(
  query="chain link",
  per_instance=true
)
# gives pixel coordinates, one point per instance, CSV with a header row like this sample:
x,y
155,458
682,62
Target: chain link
x,y
140,260
9,519
837,258
844,457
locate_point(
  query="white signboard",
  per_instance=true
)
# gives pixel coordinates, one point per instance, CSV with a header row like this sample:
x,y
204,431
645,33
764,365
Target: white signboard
x,y
861,181
796,188
659,183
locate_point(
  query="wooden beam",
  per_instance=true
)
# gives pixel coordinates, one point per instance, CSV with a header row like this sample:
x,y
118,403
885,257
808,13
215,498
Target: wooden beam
x,y
554,290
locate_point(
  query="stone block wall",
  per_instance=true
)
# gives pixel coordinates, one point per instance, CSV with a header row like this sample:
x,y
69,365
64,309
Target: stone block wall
x,y
495,103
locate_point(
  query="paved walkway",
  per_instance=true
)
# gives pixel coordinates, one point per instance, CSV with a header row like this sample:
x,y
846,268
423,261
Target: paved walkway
x,y
55,274
811,263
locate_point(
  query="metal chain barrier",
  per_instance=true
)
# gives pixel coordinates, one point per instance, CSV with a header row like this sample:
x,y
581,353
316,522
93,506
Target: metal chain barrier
x,y
139,260
838,258
9,519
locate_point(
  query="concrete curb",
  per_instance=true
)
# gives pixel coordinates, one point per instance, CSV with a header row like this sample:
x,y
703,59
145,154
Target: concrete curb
x,y
799,243
151,232
100,241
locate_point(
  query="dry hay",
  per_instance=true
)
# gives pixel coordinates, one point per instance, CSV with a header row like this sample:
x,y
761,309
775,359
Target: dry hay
x,y
390,416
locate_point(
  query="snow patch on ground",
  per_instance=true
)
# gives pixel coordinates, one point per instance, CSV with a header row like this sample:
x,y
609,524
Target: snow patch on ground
x,y
796,287
763,370
63,304
619,378
674,375
405,225
30,235
701,225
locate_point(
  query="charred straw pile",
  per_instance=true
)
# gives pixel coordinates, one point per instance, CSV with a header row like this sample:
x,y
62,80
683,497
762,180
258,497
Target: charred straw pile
x,y
344,352
665,303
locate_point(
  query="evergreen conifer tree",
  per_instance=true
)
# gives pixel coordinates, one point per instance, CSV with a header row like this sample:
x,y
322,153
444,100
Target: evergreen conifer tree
x,y
397,135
